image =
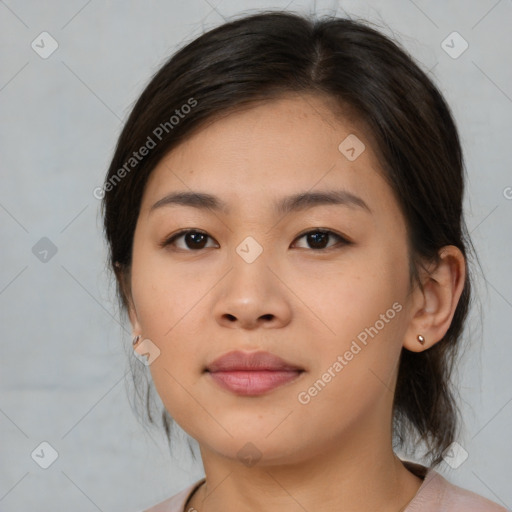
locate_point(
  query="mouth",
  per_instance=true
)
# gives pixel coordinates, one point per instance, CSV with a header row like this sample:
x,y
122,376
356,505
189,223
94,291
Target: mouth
x,y
252,373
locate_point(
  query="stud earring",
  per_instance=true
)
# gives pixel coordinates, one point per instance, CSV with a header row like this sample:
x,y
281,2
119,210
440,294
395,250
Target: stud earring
x,y
136,339
421,339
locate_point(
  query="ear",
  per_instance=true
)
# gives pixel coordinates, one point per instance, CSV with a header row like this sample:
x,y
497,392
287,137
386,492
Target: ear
x,y
435,304
123,276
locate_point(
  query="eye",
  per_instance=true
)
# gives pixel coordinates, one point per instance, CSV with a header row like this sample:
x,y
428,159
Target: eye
x,y
318,238
195,240
192,238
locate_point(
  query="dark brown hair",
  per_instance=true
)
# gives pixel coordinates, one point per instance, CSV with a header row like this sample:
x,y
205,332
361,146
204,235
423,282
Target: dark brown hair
x,y
263,56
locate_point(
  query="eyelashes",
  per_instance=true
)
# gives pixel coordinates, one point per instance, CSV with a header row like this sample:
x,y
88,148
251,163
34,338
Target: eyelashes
x,y
195,240
193,235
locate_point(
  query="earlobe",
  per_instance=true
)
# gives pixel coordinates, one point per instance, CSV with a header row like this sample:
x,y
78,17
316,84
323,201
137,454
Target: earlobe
x,y
434,303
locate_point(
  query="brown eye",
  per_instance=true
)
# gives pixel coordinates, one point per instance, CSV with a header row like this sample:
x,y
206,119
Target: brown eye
x,y
191,240
319,239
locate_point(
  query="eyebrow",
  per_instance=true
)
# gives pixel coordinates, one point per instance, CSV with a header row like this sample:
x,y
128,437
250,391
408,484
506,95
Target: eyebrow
x,y
284,206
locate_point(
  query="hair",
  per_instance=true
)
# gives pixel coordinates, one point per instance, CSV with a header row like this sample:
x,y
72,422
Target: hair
x,y
264,56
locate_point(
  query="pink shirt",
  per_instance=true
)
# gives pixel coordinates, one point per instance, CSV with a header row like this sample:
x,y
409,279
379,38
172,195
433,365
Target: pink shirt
x,y
436,494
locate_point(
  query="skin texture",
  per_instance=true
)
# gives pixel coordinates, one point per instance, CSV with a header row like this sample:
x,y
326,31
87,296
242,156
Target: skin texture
x,y
303,304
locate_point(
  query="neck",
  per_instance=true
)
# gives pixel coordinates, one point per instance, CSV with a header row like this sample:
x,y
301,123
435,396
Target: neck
x,y
355,474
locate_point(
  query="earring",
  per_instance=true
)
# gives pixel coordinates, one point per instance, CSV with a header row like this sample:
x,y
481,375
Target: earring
x,y
421,339
136,340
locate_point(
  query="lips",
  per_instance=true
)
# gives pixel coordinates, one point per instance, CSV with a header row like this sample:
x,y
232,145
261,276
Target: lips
x,y
240,361
252,373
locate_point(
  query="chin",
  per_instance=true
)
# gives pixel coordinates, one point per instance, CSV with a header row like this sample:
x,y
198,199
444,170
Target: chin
x,y
251,448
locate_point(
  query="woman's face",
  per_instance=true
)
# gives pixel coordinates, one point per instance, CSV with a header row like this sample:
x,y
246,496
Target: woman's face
x,y
263,278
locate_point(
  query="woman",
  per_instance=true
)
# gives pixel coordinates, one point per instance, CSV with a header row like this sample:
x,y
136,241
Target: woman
x,y
284,217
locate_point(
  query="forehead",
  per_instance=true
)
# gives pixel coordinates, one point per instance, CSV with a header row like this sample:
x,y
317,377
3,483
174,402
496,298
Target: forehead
x,y
293,144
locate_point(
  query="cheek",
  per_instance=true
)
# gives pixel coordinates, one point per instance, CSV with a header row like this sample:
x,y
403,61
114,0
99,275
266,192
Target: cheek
x,y
168,304
169,310
353,299
364,308
164,292
354,367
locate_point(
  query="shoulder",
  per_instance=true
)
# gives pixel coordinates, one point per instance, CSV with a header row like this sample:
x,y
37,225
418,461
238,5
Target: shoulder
x,y
463,499
436,491
177,502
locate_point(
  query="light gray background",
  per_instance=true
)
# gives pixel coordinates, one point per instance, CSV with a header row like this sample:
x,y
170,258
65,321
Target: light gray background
x,y
63,364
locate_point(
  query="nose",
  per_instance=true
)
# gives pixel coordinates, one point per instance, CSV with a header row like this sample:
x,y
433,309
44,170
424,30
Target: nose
x,y
251,296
